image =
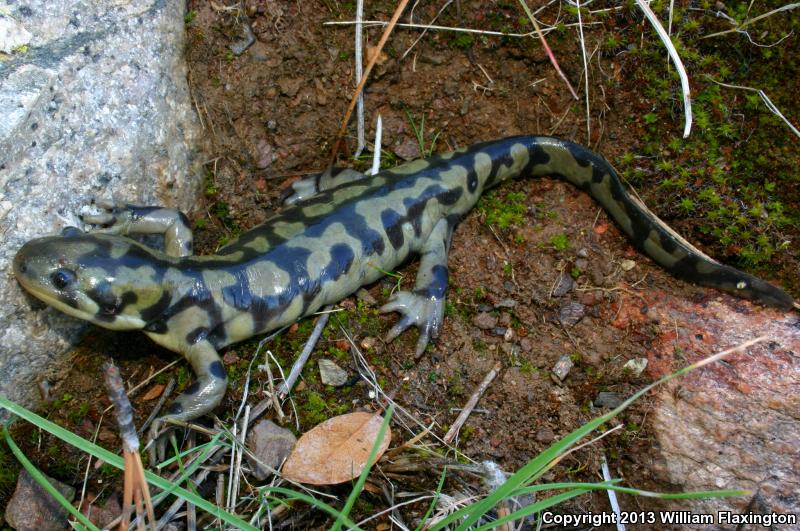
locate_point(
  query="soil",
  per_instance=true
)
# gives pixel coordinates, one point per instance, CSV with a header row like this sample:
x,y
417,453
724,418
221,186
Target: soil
x,y
272,114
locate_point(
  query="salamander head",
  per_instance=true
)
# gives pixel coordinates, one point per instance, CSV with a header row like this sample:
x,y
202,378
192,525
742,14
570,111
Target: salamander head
x,y
108,280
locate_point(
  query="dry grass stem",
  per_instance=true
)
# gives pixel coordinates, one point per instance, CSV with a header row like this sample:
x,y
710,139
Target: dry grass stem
x,y
547,49
434,27
768,102
372,60
473,400
673,53
749,21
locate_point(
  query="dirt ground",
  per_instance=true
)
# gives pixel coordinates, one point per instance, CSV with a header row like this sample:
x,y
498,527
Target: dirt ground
x,y
271,114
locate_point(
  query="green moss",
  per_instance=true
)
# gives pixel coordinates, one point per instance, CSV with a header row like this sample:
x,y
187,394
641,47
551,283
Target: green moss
x,y
560,242
313,411
503,211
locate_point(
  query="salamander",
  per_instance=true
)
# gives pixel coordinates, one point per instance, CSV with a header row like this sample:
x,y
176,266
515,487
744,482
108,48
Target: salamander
x,y
339,232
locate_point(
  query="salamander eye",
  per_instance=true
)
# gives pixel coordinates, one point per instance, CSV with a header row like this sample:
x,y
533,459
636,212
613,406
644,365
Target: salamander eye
x,y
62,278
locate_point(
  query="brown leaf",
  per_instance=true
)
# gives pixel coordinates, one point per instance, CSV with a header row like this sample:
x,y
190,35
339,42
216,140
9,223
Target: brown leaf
x,y
154,392
336,450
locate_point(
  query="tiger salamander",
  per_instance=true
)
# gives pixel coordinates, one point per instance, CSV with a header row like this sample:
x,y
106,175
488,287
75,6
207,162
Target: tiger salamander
x,y
340,232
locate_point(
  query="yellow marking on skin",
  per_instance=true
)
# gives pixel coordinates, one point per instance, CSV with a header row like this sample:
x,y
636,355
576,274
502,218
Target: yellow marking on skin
x,y
317,261
602,193
451,154
454,176
118,251
410,167
319,209
483,167
259,245
266,279
286,230
653,247
232,257
240,327
705,268
562,162
348,192
520,156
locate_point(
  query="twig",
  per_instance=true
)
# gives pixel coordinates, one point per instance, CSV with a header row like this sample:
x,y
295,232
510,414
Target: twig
x,y
547,48
585,75
435,27
163,398
429,26
673,53
359,54
768,102
751,20
470,405
372,60
298,365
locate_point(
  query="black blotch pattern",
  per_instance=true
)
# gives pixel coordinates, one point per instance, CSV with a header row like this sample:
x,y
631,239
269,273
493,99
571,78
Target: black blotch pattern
x,y
192,388
217,370
198,334
438,284
472,180
342,258
393,225
175,409
152,312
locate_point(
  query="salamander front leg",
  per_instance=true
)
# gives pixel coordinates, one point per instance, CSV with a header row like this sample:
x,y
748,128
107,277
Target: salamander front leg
x,y
202,395
424,307
127,220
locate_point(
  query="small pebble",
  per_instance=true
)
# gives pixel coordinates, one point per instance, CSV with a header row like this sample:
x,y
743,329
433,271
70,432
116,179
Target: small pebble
x,y
627,265
583,252
506,303
582,264
509,335
270,444
635,366
608,399
564,285
562,368
545,435
485,321
331,374
499,331
368,342
570,313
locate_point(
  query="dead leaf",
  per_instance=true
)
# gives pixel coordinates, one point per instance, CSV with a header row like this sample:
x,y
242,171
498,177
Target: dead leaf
x,y
601,228
336,450
154,392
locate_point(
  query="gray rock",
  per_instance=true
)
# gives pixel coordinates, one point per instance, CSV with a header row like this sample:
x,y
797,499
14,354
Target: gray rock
x,y
33,509
97,106
271,444
608,399
331,374
545,435
570,313
561,368
564,285
485,321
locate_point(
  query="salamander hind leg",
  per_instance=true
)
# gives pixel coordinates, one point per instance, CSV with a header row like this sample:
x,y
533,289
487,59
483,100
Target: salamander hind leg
x,y
130,220
311,185
424,307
